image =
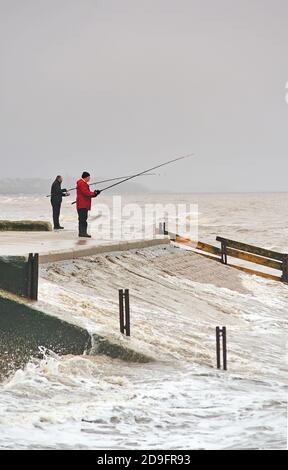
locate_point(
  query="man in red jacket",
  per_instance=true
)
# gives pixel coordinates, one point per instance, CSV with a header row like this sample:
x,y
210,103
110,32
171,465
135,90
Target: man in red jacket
x,y
84,196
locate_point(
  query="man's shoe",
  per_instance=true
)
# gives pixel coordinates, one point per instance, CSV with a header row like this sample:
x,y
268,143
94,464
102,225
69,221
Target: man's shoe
x,y
85,235
59,228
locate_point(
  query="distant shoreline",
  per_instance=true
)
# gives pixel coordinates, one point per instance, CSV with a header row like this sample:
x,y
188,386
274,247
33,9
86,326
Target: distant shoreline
x,y
150,193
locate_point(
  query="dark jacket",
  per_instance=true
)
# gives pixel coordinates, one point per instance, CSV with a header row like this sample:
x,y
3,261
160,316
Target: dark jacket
x,y
57,193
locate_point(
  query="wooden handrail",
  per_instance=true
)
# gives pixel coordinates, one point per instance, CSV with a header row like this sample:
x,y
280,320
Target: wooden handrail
x,y
252,249
252,254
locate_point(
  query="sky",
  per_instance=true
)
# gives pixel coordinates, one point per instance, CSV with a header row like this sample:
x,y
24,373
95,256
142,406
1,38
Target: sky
x,y
118,86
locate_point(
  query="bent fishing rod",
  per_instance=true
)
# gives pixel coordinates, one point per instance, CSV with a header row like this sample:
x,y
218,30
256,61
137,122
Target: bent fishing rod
x,y
144,172
103,181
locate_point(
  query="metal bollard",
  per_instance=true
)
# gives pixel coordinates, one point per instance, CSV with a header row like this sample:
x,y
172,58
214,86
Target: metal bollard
x,y
221,333
124,323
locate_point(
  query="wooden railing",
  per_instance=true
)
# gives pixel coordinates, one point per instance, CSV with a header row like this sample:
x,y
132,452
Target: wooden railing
x,y
242,251
254,254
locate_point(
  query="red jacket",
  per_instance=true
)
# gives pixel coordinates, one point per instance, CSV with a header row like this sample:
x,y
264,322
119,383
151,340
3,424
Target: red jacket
x,y
84,195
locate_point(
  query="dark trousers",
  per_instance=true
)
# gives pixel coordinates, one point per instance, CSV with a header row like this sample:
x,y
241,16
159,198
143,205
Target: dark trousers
x,y
82,217
56,213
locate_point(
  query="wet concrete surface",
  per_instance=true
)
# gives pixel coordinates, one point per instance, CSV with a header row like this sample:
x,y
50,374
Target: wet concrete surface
x,y
61,245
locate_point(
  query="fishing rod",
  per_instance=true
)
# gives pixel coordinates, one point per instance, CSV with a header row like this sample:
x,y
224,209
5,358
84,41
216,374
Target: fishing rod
x,y
145,172
103,181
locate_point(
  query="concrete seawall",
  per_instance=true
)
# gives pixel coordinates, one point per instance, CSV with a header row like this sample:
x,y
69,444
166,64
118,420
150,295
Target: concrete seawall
x,y
24,328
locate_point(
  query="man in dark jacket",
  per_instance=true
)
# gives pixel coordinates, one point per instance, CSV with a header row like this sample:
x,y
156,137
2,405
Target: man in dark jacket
x,y
56,200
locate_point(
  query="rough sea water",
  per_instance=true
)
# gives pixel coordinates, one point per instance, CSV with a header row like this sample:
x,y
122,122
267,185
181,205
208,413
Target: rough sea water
x,y
179,399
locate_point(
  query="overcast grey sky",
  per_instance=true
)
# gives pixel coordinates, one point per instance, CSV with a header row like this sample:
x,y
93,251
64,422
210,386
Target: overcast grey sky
x,y
114,86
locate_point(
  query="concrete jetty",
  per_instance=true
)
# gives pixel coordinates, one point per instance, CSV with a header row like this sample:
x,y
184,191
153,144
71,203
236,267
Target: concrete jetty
x,y
65,245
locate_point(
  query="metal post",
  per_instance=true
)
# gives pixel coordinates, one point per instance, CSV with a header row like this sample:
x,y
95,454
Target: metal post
x,y
163,228
32,276
127,313
29,275
285,269
35,277
221,332
124,323
121,310
224,341
224,252
218,347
